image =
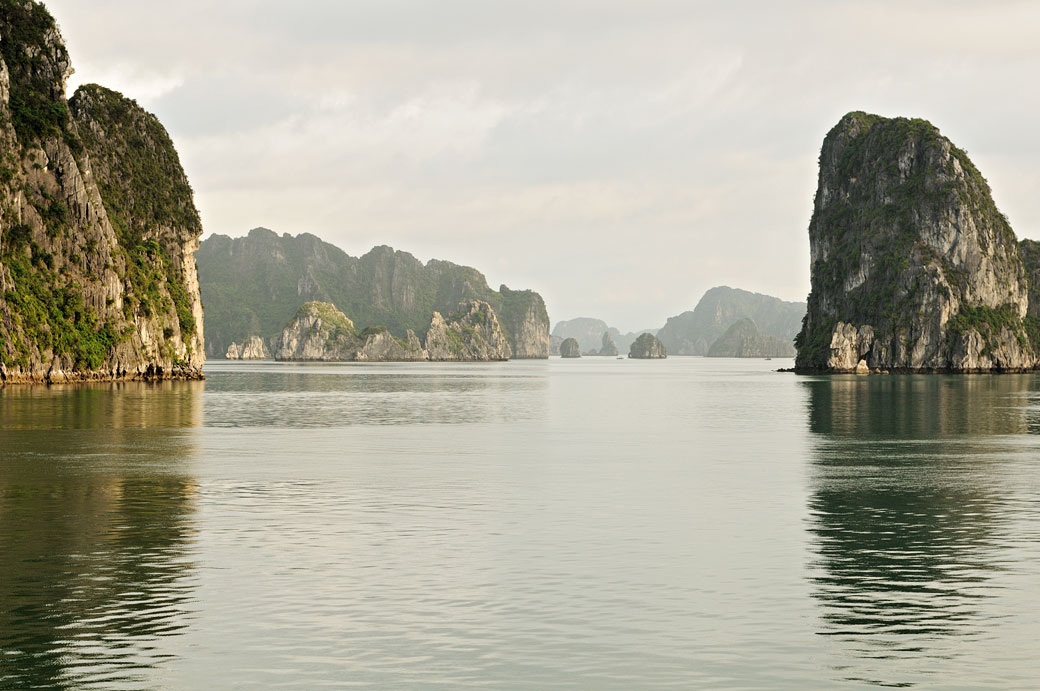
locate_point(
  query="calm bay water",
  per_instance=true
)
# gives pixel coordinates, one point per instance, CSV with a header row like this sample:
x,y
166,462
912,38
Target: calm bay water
x,y
607,524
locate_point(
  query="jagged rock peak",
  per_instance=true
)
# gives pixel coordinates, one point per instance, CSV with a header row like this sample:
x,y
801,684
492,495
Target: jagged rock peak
x,y
471,333
913,266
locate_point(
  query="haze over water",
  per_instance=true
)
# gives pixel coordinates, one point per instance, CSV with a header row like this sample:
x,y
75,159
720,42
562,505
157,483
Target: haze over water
x,y
563,524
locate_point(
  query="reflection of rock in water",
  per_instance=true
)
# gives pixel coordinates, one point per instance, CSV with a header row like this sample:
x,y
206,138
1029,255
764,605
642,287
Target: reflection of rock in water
x,y
907,512
120,405
95,533
920,407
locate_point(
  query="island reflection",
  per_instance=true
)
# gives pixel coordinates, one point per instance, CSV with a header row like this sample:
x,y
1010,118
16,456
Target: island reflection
x,y
96,529
905,509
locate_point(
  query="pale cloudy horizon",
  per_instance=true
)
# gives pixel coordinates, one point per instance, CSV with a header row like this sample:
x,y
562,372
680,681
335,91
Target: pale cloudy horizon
x,y
619,158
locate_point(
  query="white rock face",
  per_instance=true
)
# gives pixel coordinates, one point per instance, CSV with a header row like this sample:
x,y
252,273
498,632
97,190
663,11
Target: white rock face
x,y
253,349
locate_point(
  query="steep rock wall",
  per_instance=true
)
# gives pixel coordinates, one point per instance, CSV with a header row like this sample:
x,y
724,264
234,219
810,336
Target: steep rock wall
x,y
97,225
913,266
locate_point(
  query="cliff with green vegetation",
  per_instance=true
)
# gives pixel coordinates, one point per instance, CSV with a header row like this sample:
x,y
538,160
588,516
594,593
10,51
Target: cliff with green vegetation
x,y
693,332
913,267
98,227
321,332
743,339
648,347
253,285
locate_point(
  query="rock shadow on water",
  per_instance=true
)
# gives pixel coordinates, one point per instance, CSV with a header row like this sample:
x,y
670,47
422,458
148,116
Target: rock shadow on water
x,y
908,515
97,525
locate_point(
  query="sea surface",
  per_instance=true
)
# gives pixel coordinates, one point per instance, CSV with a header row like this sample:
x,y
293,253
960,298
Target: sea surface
x,y
585,524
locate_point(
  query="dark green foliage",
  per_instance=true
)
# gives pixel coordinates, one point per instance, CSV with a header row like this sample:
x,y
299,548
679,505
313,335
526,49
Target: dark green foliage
x,y
36,102
53,319
813,343
986,320
372,331
139,173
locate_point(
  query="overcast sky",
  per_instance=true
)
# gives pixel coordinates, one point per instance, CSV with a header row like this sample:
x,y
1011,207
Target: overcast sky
x,y
618,157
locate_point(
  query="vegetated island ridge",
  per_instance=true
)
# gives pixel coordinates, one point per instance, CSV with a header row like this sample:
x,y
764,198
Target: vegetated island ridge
x,y
98,227
321,332
253,286
913,268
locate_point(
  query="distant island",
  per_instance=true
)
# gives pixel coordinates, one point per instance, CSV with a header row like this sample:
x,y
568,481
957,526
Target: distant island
x,y
590,333
694,332
743,339
914,269
647,347
570,348
254,285
705,330
97,266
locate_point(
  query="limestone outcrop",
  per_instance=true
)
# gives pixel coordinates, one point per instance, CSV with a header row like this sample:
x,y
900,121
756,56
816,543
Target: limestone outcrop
x,y
320,332
253,349
570,348
648,347
913,267
98,227
472,332
609,348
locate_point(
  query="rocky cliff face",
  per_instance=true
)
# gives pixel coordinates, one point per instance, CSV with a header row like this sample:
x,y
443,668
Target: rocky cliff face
x,y
473,332
743,339
913,266
254,285
693,332
648,347
321,332
609,348
253,349
98,228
